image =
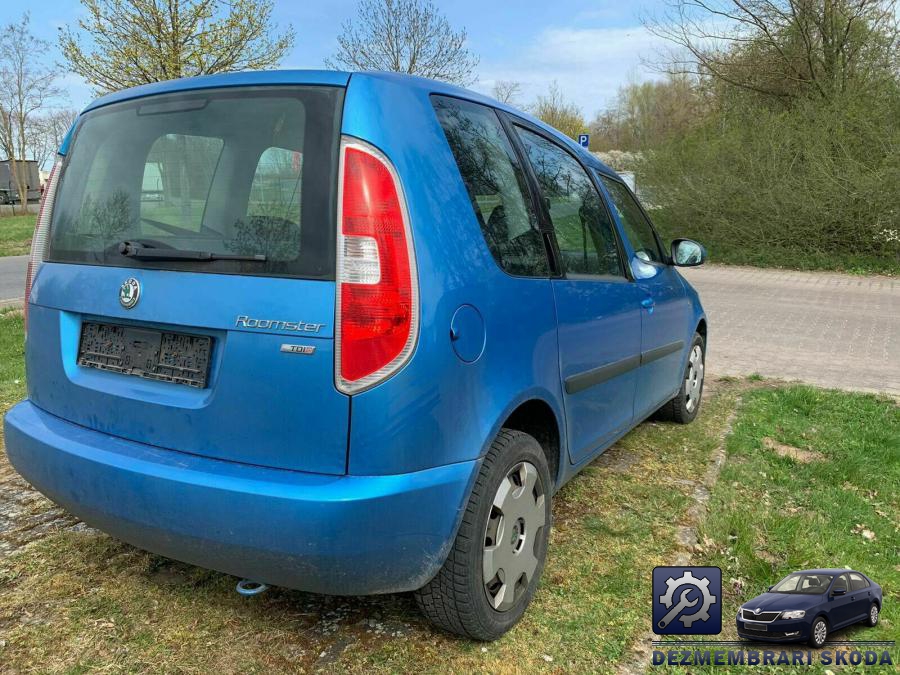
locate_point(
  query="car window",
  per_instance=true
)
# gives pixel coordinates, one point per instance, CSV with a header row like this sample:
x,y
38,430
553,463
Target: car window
x,y
857,582
637,228
178,173
584,231
220,171
496,185
275,190
842,581
803,583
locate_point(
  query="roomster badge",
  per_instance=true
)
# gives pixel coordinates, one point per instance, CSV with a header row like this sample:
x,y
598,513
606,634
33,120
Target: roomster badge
x,y
129,292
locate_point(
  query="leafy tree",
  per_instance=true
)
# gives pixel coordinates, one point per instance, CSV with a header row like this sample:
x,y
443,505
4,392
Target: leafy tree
x,y
27,87
791,158
553,109
404,36
132,42
645,115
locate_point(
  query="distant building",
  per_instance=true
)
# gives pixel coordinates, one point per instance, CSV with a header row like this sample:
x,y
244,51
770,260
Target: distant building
x,y
9,191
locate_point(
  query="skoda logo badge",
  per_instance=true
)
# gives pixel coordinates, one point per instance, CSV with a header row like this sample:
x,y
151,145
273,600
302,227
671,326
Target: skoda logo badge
x,y
129,292
757,610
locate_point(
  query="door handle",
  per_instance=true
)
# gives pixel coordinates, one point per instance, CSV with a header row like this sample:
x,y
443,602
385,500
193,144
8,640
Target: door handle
x,y
647,303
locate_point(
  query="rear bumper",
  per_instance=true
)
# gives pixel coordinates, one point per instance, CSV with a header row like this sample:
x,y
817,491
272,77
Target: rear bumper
x,y
343,535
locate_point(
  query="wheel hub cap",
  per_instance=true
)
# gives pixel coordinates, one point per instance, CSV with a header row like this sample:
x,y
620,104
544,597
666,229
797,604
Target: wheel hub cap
x,y
513,530
693,381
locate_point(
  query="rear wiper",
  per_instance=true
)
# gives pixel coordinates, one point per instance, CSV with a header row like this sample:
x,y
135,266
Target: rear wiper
x,y
139,251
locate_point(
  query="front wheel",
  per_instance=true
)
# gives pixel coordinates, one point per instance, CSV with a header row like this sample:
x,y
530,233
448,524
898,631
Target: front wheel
x,y
819,633
492,571
685,405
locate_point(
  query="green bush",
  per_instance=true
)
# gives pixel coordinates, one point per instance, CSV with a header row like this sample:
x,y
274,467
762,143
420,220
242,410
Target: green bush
x,y
812,185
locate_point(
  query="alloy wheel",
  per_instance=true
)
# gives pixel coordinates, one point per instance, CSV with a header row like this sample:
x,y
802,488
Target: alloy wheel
x,y
513,530
820,632
873,614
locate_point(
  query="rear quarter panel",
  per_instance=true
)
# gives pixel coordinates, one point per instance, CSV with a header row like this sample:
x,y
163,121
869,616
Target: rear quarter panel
x,y
438,409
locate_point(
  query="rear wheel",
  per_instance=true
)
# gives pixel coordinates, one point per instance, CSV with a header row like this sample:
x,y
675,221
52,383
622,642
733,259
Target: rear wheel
x,y
873,615
685,405
492,571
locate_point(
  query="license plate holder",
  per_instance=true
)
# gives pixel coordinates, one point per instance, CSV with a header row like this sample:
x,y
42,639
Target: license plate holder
x,y
756,625
153,354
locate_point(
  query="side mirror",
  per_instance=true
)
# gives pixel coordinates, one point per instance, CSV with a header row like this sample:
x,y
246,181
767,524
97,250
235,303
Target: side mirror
x,y
838,590
687,253
769,588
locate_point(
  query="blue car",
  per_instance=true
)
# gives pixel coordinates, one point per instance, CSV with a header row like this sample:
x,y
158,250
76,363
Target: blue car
x,y
810,605
344,333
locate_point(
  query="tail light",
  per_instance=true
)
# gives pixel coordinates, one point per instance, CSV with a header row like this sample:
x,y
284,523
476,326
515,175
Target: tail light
x,y
40,242
377,290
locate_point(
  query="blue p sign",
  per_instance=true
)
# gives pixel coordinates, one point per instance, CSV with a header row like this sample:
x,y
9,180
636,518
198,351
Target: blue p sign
x,y
584,140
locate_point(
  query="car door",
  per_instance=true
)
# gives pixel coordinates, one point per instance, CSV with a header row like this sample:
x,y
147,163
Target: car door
x,y
840,607
597,305
666,311
860,596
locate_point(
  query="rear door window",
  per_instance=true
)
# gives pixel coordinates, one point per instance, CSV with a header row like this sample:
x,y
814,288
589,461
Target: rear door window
x,y
496,185
249,171
857,582
584,232
178,174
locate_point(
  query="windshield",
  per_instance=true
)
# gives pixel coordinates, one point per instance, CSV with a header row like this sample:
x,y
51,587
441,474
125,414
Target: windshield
x,y
807,584
239,172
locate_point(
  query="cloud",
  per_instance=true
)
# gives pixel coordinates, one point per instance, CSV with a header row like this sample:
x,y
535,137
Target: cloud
x,y
590,64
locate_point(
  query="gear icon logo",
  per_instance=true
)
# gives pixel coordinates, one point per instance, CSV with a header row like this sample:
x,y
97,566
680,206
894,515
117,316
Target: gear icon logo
x,y
687,600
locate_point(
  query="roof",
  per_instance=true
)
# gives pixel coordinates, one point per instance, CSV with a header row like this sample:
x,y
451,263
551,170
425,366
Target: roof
x,y
335,78
831,570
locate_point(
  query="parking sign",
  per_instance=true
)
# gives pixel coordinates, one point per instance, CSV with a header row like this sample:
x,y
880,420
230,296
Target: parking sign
x,y
584,140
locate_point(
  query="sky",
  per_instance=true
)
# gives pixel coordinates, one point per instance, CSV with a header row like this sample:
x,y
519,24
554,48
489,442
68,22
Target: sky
x,y
589,47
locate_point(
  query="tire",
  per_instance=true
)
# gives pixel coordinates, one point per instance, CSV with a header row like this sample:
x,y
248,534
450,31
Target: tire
x,y
872,620
685,405
459,599
820,629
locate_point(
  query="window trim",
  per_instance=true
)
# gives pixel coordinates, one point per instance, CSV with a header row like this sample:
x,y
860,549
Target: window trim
x,y
664,253
544,215
530,197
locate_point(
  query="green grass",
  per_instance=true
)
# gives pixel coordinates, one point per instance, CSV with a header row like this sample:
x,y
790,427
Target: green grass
x,y
15,234
771,514
12,358
78,601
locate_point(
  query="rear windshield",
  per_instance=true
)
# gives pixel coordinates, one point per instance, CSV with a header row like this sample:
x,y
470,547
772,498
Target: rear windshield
x,y
234,172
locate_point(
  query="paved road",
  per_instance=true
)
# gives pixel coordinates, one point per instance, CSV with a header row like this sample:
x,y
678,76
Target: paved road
x,y
12,279
832,330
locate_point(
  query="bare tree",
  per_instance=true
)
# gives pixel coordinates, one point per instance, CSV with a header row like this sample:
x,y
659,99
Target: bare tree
x,y
506,91
133,42
782,48
48,131
559,113
27,86
404,36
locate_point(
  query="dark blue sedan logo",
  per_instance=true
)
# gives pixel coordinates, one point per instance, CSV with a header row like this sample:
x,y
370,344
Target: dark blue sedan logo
x,y
687,600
